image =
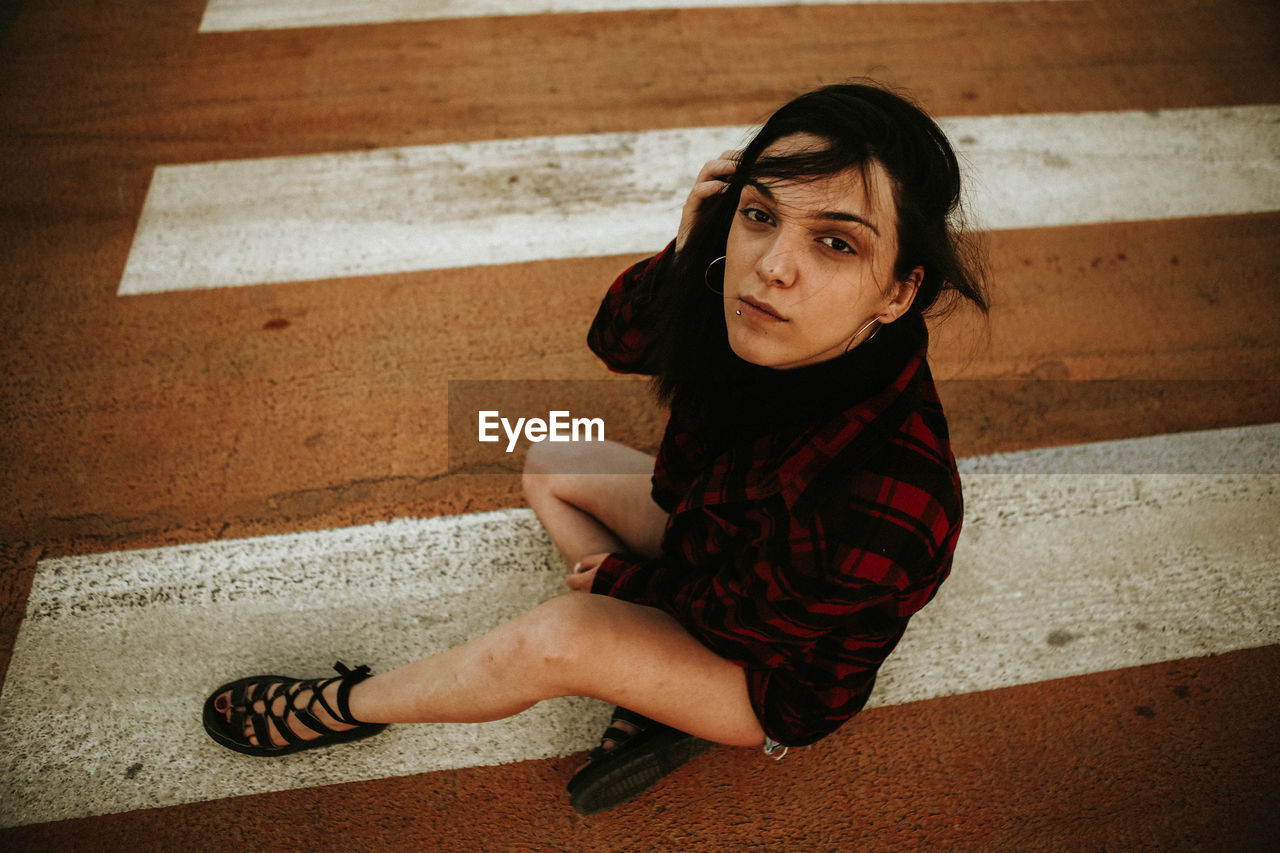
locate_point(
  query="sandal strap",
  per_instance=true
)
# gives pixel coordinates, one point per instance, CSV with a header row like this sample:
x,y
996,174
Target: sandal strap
x,y
306,714
261,726
350,678
626,715
617,735
268,720
265,721
346,679
240,695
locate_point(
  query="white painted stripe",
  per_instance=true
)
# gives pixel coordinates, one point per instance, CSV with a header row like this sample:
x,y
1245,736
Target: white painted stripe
x,y
228,15
1056,575
246,222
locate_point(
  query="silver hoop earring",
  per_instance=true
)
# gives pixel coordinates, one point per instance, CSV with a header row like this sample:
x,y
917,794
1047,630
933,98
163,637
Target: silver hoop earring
x,y
706,277
863,329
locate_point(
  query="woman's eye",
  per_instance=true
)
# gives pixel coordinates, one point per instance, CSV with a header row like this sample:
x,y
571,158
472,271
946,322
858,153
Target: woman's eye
x,y
839,245
755,214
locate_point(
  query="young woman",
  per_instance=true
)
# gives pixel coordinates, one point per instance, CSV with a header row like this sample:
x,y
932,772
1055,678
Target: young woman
x,y
744,586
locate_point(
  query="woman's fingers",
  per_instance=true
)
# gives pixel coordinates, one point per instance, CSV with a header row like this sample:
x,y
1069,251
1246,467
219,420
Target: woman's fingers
x,y
590,562
584,572
721,168
712,180
580,581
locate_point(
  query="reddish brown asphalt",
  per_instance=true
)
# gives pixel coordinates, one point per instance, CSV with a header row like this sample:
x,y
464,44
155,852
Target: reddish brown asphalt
x,y
1175,756
177,418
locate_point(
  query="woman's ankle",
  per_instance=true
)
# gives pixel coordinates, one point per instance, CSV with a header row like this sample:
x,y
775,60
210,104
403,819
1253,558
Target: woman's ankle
x,y
363,701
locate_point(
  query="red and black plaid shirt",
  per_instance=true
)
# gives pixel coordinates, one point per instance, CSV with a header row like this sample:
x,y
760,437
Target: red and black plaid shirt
x,y
799,558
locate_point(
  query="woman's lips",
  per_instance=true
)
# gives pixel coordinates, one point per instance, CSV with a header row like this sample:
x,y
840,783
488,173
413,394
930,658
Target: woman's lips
x,y
762,310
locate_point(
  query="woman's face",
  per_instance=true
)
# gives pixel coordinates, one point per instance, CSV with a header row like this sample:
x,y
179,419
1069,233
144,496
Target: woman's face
x,y
808,264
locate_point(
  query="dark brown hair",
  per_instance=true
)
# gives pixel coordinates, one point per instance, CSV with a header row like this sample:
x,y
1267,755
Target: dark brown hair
x,y
861,123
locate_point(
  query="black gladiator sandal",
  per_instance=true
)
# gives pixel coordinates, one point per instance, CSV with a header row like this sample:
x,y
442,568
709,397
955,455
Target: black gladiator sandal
x,y
251,704
636,762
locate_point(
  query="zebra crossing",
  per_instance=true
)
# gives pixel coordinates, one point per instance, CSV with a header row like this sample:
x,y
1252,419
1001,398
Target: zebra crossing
x,y
1078,560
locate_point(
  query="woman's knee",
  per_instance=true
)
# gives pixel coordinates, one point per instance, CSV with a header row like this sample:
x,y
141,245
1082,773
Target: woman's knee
x,y
576,458
547,468
536,461
559,633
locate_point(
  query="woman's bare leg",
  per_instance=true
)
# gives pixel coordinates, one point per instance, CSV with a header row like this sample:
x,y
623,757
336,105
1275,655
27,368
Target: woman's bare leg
x,y
574,645
577,644
594,498
652,666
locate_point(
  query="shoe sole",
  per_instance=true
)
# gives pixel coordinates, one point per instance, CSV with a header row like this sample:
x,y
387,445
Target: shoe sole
x,y
623,777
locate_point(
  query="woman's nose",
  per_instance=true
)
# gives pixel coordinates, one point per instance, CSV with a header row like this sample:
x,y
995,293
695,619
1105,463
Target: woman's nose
x,y
777,266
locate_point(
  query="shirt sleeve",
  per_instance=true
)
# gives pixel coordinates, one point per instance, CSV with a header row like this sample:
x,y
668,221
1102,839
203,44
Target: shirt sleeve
x,y
623,330
641,580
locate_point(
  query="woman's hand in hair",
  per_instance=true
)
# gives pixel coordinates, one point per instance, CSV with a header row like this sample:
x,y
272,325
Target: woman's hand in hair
x,y
584,572
712,180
